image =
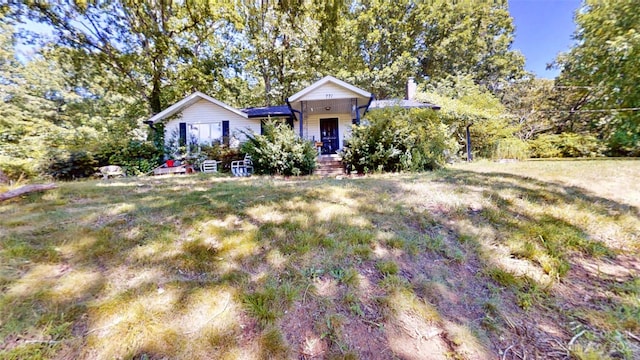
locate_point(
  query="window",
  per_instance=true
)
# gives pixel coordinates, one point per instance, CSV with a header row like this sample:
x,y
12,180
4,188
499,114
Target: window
x,y
205,133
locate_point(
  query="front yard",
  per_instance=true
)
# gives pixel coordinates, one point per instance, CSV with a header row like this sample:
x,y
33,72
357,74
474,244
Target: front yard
x,y
479,261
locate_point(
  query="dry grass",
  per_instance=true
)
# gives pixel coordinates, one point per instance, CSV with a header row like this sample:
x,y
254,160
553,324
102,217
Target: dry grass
x,y
484,260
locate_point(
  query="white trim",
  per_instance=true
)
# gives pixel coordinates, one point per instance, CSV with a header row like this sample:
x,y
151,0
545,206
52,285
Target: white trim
x,y
190,100
296,97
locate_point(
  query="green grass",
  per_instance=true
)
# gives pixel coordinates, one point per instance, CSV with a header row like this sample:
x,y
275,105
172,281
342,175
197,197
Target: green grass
x,y
214,267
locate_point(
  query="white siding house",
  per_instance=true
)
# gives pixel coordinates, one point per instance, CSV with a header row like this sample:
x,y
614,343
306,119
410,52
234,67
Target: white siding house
x,y
322,112
201,119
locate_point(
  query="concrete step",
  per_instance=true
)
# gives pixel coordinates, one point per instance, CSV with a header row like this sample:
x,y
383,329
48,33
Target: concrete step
x,y
329,171
332,166
329,165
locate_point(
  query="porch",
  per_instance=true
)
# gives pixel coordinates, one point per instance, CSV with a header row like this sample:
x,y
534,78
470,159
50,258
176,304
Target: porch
x,y
326,110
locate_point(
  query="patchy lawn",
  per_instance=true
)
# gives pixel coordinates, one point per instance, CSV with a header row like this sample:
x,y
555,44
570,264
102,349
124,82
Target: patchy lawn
x,y
481,261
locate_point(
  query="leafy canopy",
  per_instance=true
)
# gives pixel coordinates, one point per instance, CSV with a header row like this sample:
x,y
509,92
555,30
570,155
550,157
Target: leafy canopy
x,y
604,63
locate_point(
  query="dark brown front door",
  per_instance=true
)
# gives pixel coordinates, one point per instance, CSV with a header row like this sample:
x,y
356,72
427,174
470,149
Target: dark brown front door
x,y
329,135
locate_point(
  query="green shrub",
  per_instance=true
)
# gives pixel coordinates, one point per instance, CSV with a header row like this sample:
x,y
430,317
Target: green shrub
x,y
16,169
396,139
280,151
511,148
566,145
64,165
138,157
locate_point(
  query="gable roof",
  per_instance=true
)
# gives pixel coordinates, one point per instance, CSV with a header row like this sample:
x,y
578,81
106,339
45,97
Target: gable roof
x,y
325,80
188,101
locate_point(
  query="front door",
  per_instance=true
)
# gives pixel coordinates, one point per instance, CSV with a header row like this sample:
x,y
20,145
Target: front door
x,y
329,135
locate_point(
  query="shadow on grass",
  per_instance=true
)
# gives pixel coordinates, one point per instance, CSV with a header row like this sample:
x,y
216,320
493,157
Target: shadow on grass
x,y
207,267
563,233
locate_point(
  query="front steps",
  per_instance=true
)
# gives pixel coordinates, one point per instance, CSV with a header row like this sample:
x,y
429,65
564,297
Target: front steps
x,y
329,165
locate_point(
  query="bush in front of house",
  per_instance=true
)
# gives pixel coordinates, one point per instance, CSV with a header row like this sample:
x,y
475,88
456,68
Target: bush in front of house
x,y
137,157
279,151
69,165
566,145
396,139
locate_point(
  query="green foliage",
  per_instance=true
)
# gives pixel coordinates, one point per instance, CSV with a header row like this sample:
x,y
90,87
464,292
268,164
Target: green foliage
x,y
138,157
472,37
16,169
378,45
532,104
603,63
465,103
396,139
147,44
69,165
511,148
566,145
280,151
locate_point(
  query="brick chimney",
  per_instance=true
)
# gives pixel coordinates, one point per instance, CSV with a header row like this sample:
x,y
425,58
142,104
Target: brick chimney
x,y
411,89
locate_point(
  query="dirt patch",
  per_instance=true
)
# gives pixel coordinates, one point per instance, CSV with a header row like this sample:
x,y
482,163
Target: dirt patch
x,y
298,326
411,337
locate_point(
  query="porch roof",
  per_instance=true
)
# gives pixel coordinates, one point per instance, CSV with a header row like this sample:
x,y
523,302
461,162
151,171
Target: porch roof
x,y
329,88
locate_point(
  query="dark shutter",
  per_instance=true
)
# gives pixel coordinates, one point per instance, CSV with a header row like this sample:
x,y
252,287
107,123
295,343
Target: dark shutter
x,y
183,134
290,122
262,127
225,128
225,132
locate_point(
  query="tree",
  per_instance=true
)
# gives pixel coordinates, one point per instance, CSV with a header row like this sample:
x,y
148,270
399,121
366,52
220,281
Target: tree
x,y
531,103
471,111
603,63
377,47
283,40
160,50
474,38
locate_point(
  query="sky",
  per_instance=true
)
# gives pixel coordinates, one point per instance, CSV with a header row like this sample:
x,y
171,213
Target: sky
x,y
543,29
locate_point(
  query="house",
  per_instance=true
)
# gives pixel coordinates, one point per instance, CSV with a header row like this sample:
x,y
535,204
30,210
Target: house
x,y
322,112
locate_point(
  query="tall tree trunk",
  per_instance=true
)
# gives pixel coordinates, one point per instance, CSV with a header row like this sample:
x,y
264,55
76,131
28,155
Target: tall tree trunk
x,y
154,97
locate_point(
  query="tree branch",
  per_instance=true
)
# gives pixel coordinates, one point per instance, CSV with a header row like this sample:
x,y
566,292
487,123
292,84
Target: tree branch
x,y
25,190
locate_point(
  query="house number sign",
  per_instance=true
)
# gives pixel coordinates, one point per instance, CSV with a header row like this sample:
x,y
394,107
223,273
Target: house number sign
x,y
328,96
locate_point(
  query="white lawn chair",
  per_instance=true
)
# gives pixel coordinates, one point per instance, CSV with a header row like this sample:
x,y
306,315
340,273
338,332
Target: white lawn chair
x,y
209,166
242,167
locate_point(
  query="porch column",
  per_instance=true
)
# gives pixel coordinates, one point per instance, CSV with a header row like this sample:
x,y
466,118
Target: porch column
x,y
301,118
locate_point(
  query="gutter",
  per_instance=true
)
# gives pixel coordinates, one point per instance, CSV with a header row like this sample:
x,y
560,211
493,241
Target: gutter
x,y
366,107
150,123
294,111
